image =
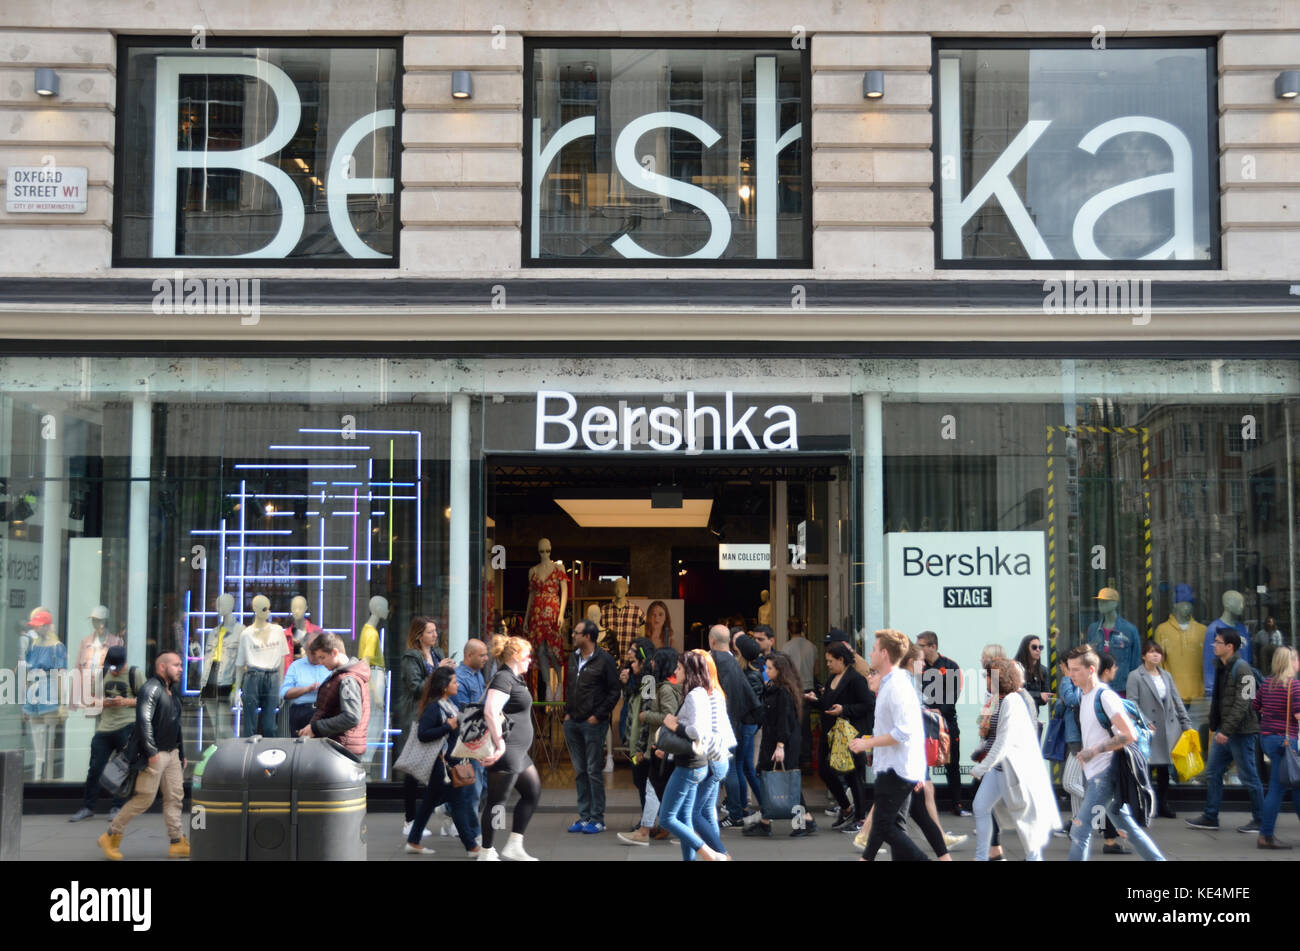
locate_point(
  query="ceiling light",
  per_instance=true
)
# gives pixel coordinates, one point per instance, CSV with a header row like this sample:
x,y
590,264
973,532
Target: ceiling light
x,y
636,513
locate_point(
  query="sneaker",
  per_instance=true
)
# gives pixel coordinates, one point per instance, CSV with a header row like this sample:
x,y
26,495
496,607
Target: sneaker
x,y
640,837
727,823
179,849
758,829
961,812
1203,822
578,826
593,828
809,829
1059,833
1269,842
416,849
1249,827
1115,848
752,817
487,855
513,850
840,822
406,829
834,812
80,814
954,842
853,828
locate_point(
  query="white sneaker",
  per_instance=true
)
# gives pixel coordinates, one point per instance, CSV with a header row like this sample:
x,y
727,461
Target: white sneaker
x,y
954,842
417,849
513,850
447,828
488,855
406,829
755,816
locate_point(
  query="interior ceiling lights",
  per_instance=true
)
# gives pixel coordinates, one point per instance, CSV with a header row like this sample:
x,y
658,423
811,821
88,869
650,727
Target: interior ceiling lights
x,y
636,513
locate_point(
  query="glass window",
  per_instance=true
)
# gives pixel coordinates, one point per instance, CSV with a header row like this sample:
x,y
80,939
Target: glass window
x,y
271,154
651,154
1077,154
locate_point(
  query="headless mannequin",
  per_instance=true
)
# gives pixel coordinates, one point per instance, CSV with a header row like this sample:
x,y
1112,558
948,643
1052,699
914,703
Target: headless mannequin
x,y
370,649
545,634
765,608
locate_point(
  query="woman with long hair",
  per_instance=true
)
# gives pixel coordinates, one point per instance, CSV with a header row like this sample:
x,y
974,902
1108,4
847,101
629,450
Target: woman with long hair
x,y
639,694
440,723
666,667
1038,680
782,702
705,820
413,670
512,767
987,725
1278,704
1014,780
658,625
846,695
697,721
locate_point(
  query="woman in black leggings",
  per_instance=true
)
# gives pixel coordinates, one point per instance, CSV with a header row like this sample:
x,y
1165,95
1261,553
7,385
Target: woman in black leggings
x,y
508,698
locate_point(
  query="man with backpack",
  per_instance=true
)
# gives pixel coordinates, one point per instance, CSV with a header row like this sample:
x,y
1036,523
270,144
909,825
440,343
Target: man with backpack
x,y
1234,726
1107,730
117,687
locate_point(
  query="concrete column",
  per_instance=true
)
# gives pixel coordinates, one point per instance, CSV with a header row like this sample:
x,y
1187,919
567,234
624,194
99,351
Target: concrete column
x,y
873,508
458,567
137,542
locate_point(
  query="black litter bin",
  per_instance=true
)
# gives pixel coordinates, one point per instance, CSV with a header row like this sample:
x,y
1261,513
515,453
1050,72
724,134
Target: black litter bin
x,y
268,799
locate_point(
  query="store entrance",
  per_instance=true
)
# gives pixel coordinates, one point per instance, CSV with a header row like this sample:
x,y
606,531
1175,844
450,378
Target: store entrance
x,y
707,538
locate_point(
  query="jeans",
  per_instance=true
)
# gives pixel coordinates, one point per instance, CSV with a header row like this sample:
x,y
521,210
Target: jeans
x,y
676,813
992,788
1272,744
586,742
461,802
260,690
102,746
742,769
1241,750
891,798
705,821
1099,794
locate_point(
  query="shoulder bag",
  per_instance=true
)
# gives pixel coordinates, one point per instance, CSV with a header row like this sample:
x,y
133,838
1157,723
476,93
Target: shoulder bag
x,y
418,757
1288,764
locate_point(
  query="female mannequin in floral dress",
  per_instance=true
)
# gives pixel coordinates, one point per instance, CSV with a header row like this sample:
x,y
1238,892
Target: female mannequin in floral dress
x,y
548,595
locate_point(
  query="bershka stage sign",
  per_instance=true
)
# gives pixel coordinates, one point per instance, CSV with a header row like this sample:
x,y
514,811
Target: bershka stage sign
x,y
733,557
695,427
971,589
46,189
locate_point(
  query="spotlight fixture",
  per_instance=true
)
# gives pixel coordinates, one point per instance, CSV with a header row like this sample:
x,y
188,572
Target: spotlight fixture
x,y
1287,84
47,82
462,84
873,84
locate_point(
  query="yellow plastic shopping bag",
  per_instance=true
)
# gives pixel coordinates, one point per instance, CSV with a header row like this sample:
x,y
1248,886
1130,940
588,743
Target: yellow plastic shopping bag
x,y
1187,756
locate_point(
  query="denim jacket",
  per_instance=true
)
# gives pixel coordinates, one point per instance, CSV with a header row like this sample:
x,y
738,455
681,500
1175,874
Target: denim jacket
x,y
1067,704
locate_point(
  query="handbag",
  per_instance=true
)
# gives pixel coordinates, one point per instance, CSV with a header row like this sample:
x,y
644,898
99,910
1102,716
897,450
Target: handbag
x,y
1186,756
1054,740
461,775
842,732
418,757
780,792
475,742
1288,764
119,774
673,744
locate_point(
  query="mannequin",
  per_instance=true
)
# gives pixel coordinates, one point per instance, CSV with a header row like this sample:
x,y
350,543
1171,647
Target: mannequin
x,y
259,669
1234,606
46,665
593,615
220,648
624,620
370,649
765,608
300,631
548,596
1183,639
1113,635
90,656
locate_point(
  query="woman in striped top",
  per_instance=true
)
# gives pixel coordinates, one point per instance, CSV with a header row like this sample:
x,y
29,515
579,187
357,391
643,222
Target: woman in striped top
x,y
1278,704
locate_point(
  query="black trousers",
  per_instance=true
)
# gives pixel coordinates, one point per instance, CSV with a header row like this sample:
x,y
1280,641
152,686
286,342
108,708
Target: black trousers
x,y
953,770
892,794
837,782
102,746
1161,775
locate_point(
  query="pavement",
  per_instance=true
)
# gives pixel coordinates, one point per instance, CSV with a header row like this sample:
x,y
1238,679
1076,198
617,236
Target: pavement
x,y
51,838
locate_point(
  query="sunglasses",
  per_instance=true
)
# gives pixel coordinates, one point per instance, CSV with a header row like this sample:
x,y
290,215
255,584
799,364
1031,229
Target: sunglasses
x,y
1035,647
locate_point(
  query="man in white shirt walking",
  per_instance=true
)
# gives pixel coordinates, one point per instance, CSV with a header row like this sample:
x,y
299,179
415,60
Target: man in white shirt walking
x,y
1099,746
899,742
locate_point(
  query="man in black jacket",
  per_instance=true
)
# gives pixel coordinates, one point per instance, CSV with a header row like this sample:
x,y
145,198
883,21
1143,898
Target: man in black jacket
x,y
742,705
593,691
160,752
940,687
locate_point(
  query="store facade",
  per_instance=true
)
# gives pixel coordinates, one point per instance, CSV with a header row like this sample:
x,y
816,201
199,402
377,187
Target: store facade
x,y
692,309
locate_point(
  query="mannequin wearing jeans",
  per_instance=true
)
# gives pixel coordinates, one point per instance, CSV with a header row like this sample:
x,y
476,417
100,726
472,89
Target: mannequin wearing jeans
x,y
262,648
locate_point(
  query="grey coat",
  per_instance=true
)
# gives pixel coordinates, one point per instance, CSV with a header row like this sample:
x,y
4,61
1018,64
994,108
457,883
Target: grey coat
x,y
1168,718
